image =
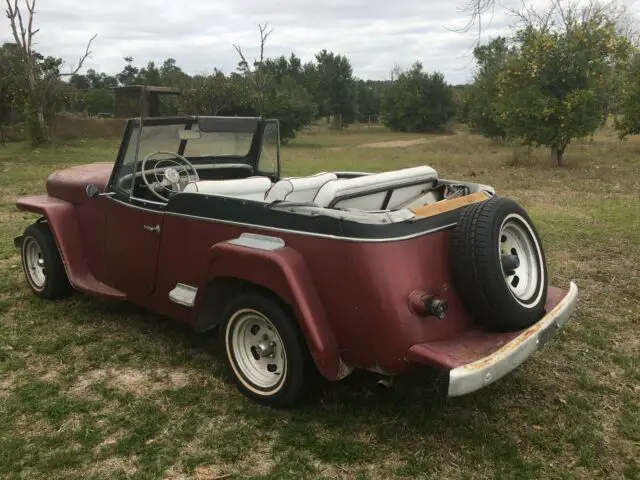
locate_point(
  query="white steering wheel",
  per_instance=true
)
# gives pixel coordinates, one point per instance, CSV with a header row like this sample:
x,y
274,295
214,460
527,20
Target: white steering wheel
x,y
172,178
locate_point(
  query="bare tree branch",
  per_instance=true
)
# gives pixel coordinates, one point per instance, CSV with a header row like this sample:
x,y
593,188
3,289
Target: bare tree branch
x,y
258,74
87,54
263,39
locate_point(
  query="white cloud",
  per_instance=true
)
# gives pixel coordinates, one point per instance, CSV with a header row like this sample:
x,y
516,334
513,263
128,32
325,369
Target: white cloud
x,y
199,34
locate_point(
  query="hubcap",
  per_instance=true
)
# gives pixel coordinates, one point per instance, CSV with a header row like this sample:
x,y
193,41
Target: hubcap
x,y
519,259
257,349
34,263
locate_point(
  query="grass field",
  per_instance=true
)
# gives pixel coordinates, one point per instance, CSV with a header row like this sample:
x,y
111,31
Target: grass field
x,y
96,389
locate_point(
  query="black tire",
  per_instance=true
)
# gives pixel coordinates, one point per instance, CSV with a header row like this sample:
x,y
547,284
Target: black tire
x,y
56,284
478,274
300,378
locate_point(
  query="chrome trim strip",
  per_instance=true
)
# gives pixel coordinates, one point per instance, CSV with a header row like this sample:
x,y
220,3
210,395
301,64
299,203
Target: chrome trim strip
x,y
138,199
297,232
260,242
476,375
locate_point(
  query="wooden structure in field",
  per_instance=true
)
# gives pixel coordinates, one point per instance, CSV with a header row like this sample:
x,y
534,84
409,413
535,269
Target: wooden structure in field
x,y
140,100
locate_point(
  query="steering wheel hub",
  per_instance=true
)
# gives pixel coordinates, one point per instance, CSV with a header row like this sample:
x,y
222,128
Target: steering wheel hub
x,y
170,174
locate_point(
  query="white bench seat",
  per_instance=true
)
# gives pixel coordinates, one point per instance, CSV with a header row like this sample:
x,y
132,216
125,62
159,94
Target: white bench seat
x,y
379,191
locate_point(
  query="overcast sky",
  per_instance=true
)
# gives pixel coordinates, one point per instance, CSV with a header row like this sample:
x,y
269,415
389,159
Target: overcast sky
x,y
199,34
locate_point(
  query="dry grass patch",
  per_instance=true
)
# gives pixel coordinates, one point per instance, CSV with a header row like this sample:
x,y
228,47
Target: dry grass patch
x,y
92,388
127,379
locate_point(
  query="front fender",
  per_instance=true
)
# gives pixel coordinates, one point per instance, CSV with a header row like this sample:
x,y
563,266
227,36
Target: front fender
x,y
63,222
283,271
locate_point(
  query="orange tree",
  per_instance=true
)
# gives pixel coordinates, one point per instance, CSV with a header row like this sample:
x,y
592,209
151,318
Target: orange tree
x,y
555,85
629,102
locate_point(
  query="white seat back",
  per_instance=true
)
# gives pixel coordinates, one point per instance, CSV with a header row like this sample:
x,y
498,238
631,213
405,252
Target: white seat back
x,y
298,189
252,188
370,192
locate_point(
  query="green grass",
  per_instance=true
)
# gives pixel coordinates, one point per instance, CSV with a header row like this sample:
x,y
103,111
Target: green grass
x,y
97,389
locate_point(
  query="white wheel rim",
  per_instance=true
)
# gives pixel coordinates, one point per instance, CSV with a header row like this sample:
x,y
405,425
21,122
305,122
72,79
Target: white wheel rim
x,y
256,351
526,280
34,263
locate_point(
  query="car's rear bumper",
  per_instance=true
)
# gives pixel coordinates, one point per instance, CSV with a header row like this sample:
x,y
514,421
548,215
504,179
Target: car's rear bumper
x,y
470,370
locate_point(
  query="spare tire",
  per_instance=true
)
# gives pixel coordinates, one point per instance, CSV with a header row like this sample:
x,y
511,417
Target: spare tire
x,y
498,265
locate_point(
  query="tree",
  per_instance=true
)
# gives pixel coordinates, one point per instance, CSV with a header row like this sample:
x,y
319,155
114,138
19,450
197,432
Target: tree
x,y
258,74
171,75
217,94
629,101
128,74
291,104
11,91
368,100
41,76
417,101
553,87
334,87
149,75
479,101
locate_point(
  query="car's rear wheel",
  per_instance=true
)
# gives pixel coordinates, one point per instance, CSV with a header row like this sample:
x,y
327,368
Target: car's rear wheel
x,y
42,264
267,352
499,265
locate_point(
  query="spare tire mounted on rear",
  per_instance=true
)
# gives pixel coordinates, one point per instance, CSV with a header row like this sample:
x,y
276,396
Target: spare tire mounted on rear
x,y
499,266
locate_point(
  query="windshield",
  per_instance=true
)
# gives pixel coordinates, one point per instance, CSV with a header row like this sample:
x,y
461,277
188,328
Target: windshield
x,y
167,138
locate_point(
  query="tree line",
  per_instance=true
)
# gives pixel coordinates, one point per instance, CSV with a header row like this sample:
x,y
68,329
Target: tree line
x,y
558,77
33,88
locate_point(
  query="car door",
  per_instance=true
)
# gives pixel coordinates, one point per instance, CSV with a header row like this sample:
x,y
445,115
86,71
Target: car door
x,y
132,242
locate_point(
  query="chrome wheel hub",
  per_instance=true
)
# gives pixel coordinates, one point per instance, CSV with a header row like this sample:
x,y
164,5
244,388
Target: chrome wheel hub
x,y
520,259
257,349
34,263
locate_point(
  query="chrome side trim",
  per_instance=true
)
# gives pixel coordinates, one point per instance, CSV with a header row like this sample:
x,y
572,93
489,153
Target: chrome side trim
x,y
476,375
184,295
297,232
260,242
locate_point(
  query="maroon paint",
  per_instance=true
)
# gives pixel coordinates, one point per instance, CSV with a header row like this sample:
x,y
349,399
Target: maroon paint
x,y
470,345
351,298
63,221
284,272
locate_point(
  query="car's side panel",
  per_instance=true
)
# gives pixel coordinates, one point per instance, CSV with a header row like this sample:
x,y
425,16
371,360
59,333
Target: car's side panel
x,y
63,221
132,242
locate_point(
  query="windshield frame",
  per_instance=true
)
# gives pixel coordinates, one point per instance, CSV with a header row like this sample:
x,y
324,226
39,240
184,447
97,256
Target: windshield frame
x,y
135,126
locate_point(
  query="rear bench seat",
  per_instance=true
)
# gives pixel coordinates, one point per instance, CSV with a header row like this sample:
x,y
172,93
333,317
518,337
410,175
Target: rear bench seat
x,y
379,191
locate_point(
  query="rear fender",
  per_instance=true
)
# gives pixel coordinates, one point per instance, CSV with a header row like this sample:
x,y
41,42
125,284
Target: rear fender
x,y
281,269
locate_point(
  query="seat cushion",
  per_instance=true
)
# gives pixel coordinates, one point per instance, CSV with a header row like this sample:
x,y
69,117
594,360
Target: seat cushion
x,y
252,188
370,192
299,189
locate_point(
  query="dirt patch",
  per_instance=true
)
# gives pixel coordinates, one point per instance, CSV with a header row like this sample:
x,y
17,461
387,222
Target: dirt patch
x,y
113,465
397,143
140,382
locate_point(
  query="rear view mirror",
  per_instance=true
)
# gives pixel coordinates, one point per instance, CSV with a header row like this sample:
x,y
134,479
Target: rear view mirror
x,y
92,190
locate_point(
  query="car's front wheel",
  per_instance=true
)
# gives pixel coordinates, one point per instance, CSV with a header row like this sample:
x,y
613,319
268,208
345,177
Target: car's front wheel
x,y
267,352
42,264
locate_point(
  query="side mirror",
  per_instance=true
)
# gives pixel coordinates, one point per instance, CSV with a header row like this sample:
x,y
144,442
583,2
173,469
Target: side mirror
x,y
92,190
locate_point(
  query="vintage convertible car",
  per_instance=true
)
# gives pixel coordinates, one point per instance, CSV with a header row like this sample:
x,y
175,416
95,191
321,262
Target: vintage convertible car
x,y
306,277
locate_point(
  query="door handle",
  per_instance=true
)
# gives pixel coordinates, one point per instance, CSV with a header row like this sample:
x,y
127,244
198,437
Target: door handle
x,y
149,228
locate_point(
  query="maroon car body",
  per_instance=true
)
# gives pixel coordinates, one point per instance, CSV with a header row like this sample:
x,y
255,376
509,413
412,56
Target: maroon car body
x,y
358,282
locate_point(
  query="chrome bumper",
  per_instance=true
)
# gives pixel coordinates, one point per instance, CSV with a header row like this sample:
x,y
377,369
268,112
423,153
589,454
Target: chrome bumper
x,y
474,376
